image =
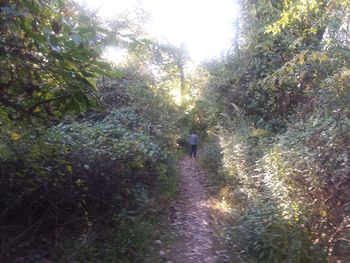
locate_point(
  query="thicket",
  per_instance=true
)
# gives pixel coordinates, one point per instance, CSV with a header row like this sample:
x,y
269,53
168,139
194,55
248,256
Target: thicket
x,y
85,147
280,104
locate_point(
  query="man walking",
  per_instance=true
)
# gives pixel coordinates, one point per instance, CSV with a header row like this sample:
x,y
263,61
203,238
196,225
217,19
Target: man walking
x,y
193,142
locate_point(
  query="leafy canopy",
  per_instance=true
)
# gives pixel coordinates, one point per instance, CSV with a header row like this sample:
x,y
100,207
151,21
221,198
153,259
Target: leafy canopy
x,y
49,58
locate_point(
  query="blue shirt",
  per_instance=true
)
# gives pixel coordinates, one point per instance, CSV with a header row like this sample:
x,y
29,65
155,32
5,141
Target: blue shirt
x,y
193,139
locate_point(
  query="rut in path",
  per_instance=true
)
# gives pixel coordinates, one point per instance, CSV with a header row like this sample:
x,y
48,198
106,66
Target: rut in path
x,y
191,220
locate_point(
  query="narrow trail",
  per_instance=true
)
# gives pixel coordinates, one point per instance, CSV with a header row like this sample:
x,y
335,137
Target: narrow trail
x,y
191,222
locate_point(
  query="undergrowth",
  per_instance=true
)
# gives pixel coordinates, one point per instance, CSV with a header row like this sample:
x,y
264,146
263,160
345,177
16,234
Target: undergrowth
x,y
278,189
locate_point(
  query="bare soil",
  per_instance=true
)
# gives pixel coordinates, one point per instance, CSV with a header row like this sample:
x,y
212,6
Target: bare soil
x,y
191,221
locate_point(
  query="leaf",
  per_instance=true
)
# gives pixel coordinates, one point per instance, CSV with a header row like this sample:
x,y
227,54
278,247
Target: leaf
x,y
69,169
314,56
302,58
15,136
92,81
324,57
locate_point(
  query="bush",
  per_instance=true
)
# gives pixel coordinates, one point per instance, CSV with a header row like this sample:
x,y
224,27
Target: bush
x,y
126,243
77,179
280,183
268,236
210,155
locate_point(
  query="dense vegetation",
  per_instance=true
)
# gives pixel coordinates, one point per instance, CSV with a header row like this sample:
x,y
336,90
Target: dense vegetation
x,y
87,149
85,156
280,102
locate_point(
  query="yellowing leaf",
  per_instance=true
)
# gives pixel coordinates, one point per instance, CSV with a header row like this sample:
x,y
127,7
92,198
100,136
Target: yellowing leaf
x,y
69,168
324,57
15,136
314,56
136,165
37,109
302,59
92,81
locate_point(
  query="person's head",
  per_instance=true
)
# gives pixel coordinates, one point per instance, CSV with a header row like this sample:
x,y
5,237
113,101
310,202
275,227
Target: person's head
x,y
194,132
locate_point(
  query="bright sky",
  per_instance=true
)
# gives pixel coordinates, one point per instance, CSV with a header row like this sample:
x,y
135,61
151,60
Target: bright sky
x,y
203,26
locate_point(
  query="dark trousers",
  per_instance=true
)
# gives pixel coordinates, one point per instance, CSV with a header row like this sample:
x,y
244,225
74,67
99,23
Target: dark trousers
x,y
193,150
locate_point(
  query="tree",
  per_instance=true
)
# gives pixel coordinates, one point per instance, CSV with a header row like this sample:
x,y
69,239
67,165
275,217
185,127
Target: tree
x,y
49,58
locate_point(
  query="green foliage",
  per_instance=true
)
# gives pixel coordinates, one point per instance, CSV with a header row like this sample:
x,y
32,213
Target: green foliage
x,y
282,97
210,157
90,185
50,58
118,137
93,184
268,237
270,218
92,174
127,243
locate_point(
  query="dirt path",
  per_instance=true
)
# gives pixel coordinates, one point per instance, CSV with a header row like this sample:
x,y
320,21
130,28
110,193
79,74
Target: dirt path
x,y
191,221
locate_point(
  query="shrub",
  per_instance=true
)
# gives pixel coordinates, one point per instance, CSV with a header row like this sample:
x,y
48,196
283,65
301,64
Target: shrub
x,y
286,212
77,179
210,155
